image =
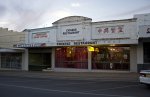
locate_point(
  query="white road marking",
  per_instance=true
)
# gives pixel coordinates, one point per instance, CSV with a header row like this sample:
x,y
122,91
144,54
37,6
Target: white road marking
x,y
112,88
86,79
77,83
71,92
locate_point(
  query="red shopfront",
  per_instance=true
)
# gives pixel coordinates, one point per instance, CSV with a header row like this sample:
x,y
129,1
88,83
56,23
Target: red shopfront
x,y
102,58
71,57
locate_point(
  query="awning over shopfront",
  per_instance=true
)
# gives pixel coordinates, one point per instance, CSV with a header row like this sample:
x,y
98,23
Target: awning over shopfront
x,y
12,50
79,43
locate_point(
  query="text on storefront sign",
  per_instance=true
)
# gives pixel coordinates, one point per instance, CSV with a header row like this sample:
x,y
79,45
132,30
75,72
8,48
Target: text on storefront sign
x,y
40,35
77,43
111,29
71,31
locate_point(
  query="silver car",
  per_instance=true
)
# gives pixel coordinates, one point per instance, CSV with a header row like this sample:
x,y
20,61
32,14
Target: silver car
x,y
145,77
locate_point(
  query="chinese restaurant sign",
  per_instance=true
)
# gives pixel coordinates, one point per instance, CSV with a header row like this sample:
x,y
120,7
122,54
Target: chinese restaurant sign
x,y
71,31
77,43
111,29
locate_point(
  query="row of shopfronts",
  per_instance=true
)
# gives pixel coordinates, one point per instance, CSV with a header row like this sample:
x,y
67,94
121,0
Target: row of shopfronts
x,y
72,57
106,58
76,44
117,58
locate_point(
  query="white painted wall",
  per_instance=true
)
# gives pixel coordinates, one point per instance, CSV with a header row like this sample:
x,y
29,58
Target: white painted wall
x,y
87,32
143,19
143,22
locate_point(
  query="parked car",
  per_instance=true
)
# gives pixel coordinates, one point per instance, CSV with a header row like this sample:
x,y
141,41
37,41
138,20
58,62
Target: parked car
x,y
145,77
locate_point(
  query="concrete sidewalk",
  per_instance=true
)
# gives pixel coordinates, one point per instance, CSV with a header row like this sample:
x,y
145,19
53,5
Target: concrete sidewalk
x,y
74,75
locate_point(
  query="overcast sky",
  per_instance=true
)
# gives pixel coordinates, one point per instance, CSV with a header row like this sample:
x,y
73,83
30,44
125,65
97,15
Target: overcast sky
x,y
27,14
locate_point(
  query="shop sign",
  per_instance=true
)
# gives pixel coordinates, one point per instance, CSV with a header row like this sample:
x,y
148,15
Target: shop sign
x,y
31,45
63,43
77,43
110,29
71,31
40,35
85,43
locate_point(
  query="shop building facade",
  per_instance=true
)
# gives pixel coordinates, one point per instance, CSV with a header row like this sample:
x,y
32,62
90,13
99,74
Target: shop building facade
x,y
11,58
76,44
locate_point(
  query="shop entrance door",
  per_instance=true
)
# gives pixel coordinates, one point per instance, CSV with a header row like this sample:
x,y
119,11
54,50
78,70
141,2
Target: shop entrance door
x,y
39,61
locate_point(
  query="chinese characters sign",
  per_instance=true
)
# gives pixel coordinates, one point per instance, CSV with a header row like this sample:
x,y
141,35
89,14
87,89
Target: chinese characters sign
x,y
112,29
40,35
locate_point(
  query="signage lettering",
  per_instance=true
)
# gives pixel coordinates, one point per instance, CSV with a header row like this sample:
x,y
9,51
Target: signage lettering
x,y
113,29
63,43
77,43
31,45
40,35
85,43
71,31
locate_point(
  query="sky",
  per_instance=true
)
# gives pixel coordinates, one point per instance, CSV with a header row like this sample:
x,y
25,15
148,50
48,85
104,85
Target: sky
x,y
29,14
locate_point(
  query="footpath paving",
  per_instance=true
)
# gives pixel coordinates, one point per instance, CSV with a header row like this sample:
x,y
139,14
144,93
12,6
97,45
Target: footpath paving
x,y
128,76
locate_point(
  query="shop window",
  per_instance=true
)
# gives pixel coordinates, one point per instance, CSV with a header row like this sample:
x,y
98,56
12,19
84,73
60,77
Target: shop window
x,y
146,52
113,58
11,60
71,57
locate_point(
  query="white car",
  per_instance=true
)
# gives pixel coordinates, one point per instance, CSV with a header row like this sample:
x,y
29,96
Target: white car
x,y
145,77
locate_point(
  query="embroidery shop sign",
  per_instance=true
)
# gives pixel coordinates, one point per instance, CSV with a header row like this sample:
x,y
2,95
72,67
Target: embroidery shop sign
x,y
40,35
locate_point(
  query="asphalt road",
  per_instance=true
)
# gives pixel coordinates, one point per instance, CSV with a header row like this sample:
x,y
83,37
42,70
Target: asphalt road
x,y
58,87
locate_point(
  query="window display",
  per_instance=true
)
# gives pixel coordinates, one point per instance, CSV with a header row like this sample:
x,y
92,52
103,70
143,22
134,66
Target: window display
x,y
71,57
113,58
11,60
